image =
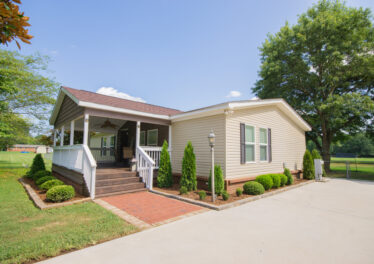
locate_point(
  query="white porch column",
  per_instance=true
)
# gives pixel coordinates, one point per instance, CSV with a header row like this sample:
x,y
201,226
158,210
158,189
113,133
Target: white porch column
x,y
72,123
170,141
85,129
137,134
54,137
62,136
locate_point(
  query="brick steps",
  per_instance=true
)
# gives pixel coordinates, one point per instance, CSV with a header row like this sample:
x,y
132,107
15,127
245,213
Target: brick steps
x,y
116,181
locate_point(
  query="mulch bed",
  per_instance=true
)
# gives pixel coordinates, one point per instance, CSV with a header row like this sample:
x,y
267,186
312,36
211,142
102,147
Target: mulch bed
x,y
194,195
42,193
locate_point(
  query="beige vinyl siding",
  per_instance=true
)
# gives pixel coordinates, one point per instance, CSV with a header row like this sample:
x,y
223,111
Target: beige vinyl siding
x,y
288,142
197,131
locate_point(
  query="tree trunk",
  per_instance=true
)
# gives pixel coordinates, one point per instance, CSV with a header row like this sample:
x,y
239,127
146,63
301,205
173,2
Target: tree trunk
x,y
326,142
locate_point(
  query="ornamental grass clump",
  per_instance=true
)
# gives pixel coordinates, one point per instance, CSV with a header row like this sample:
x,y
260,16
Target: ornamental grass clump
x,y
289,176
202,195
60,193
183,190
188,179
164,176
253,188
308,166
265,181
239,192
37,165
219,183
225,195
49,184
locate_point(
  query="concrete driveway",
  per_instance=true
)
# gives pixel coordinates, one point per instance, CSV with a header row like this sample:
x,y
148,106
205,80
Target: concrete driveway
x,y
330,222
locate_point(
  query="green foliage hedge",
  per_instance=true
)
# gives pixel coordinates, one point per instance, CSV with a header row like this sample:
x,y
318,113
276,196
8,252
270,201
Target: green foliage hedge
x,y
188,178
49,184
225,195
265,181
183,190
284,179
239,192
37,165
276,180
164,176
308,166
60,193
40,174
219,183
202,195
253,188
42,180
289,176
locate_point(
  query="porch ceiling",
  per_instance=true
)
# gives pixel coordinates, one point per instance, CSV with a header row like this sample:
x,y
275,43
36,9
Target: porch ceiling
x,y
96,122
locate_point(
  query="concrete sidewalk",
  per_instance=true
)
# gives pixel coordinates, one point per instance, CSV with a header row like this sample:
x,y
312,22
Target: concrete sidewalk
x,y
330,222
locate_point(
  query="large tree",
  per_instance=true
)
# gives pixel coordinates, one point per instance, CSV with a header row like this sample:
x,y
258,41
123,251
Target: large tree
x,y
324,67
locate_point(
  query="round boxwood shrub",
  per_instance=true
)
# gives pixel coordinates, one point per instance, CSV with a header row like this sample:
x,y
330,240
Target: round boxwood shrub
x,y
253,188
202,195
49,184
60,193
276,180
42,180
289,176
225,195
183,190
39,174
265,181
219,183
239,192
284,179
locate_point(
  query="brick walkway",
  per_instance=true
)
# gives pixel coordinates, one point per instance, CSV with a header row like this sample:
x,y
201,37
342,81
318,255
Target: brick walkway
x,y
151,208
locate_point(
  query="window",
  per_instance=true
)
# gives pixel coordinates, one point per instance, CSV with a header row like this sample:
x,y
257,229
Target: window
x,y
263,144
152,137
103,146
142,138
112,145
249,143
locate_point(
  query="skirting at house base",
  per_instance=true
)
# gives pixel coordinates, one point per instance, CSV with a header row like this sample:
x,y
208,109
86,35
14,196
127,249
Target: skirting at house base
x,y
72,178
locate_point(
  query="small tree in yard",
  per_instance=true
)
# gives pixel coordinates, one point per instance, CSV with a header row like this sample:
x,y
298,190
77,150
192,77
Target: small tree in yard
x,y
308,166
164,177
37,165
188,178
219,184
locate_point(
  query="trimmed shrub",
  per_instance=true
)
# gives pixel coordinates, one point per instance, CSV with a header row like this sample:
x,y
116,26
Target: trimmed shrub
x,y
239,192
183,190
225,195
164,176
219,184
308,166
284,179
265,181
39,174
202,195
188,178
253,188
37,165
276,180
52,183
60,193
42,180
289,176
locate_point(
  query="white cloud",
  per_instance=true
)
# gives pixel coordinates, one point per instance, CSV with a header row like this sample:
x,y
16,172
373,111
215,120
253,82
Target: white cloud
x,y
114,92
234,94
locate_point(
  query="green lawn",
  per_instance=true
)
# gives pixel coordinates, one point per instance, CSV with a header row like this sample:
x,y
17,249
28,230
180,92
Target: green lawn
x,y
361,172
358,160
28,233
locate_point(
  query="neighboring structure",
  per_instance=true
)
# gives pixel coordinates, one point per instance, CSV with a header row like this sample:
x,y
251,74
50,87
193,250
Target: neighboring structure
x,y
252,137
31,148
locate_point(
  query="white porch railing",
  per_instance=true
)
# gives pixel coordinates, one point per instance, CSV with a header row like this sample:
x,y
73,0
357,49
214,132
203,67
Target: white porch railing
x,y
145,166
77,158
154,153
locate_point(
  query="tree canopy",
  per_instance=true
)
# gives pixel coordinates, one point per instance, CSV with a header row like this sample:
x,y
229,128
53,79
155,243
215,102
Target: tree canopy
x,y
324,67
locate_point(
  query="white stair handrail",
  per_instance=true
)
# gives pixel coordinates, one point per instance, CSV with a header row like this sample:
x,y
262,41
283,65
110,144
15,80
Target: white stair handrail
x,y
145,166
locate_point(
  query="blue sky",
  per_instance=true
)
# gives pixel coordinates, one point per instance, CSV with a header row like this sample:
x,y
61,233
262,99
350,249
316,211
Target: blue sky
x,y
180,54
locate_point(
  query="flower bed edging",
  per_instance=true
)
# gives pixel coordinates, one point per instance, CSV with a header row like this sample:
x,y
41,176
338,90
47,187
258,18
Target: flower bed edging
x,y
42,205
233,204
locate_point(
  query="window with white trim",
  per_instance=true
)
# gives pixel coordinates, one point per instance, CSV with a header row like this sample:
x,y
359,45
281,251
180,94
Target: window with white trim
x,y
263,144
142,138
249,143
152,137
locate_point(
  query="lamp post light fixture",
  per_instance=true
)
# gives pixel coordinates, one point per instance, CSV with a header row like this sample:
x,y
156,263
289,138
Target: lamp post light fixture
x,y
212,139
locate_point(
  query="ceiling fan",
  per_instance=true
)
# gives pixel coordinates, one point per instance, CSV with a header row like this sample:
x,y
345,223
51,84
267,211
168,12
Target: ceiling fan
x,y
107,123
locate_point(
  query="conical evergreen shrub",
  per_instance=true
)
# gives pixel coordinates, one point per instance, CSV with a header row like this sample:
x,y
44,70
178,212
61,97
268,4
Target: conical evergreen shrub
x,y
308,166
164,177
219,184
37,165
188,178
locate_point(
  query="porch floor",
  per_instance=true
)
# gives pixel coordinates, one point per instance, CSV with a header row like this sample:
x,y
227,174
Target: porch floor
x,y
151,208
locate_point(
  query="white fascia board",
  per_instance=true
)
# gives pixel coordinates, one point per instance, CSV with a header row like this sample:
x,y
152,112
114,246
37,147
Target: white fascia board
x,y
209,111
121,110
